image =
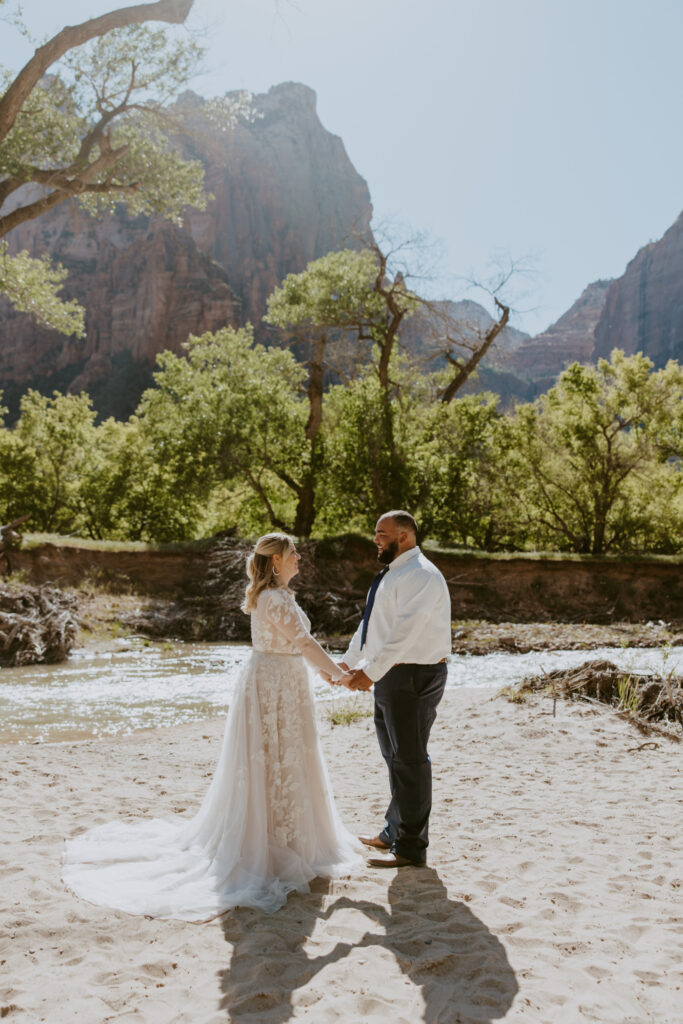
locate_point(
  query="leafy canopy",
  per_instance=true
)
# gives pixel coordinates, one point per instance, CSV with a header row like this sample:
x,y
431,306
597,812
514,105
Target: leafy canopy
x,y
593,447
340,290
96,127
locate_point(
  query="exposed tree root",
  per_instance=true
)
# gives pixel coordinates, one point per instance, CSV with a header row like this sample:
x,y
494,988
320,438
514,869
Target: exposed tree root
x,y
37,624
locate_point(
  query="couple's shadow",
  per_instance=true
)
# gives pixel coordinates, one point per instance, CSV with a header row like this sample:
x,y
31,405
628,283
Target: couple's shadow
x,y
461,969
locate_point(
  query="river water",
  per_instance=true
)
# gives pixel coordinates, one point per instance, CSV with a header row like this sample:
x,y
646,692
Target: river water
x,y
143,685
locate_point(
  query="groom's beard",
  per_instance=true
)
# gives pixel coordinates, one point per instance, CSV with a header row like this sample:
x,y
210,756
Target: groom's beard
x,y
388,554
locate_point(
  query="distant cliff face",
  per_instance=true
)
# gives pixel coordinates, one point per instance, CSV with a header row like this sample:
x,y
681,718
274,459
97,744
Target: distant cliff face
x,y
285,193
570,339
145,287
644,308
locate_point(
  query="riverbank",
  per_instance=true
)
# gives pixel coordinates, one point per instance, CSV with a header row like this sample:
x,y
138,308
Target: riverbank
x,y
106,618
199,587
550,894
482,637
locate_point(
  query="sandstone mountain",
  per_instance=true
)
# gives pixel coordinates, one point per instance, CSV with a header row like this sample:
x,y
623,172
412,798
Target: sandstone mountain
x,y
285,193
539,360
643,309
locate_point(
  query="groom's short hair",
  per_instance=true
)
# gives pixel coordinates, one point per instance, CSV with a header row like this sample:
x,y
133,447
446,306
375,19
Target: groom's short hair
x,y
404,520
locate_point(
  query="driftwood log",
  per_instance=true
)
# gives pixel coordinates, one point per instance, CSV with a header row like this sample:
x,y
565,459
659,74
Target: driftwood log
x,y
37,624
646,698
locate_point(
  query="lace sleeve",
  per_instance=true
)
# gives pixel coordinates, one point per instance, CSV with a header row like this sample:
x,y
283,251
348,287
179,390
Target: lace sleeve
x,y
284,615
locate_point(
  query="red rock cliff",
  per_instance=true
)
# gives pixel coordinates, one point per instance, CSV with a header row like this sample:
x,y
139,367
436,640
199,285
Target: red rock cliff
x,y
570,339
285,193
644,308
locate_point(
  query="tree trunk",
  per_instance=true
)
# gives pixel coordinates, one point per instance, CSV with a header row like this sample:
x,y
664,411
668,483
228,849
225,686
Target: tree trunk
x,y
465,371
306,510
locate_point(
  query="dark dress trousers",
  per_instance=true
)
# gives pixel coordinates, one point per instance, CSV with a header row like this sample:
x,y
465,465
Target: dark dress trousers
x,y
406,699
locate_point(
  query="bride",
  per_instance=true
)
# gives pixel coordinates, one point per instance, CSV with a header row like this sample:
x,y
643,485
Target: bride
x,y
268,823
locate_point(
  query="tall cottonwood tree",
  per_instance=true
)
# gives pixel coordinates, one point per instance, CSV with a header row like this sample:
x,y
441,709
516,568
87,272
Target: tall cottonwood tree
x,y
594,453
86,119
346,294
228,412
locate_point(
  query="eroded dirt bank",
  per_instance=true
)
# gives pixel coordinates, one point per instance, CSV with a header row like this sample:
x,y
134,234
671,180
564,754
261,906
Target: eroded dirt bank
x,y
512,603
516,588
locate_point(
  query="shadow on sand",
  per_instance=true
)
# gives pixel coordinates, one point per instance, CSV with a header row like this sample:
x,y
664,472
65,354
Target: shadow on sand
x,y
461,969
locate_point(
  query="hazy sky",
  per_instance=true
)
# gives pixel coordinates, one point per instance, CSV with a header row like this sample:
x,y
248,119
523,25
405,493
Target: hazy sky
x,y
548,129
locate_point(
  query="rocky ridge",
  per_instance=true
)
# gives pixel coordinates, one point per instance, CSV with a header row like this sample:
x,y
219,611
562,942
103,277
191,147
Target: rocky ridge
x,y
570,339
285,193
643,310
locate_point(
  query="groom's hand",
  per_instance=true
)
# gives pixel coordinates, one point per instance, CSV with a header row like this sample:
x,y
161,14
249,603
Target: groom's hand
x,y
359,680
342,665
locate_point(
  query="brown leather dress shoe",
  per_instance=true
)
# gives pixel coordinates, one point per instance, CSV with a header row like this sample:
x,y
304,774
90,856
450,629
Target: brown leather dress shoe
x,y
375,842
394,861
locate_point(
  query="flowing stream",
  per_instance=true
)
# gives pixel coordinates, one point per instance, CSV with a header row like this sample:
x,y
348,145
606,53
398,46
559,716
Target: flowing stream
x,y
144,685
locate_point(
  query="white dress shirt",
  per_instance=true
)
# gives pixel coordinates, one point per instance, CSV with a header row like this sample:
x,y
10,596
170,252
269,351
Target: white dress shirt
x,y
410,619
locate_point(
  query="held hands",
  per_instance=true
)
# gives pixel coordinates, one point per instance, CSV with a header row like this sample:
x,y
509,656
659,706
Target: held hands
x,y
336,682
358,680
344,680
352,679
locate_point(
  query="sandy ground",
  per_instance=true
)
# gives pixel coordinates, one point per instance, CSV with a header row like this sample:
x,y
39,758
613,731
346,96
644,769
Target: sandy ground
x,y
553,891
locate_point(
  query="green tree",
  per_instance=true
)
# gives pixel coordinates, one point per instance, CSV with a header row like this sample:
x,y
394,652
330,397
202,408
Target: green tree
x,y
46,456
97,481
346,295
229,413
461,458
126,492
591,450
17,465
358,464
97,129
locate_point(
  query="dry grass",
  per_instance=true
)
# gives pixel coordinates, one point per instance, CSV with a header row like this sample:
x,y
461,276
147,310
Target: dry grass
x,y
351,711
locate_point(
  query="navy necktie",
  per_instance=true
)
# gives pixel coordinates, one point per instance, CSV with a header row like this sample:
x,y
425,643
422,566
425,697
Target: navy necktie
x,y
370,602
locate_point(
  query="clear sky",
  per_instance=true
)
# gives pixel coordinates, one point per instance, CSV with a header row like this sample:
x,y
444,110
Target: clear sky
x,y
548,129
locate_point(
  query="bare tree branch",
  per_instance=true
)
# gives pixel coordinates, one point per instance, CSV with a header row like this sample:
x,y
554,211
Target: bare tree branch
x,y
173,12
464,370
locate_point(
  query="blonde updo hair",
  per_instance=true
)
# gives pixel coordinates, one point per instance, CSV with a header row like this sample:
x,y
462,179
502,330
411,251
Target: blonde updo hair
x,y
260,568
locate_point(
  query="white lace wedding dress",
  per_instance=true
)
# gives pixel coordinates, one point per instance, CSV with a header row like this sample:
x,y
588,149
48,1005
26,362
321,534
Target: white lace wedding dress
x,y
268,823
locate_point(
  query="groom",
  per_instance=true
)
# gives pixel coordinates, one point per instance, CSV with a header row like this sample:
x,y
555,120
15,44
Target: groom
x,y
401,647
